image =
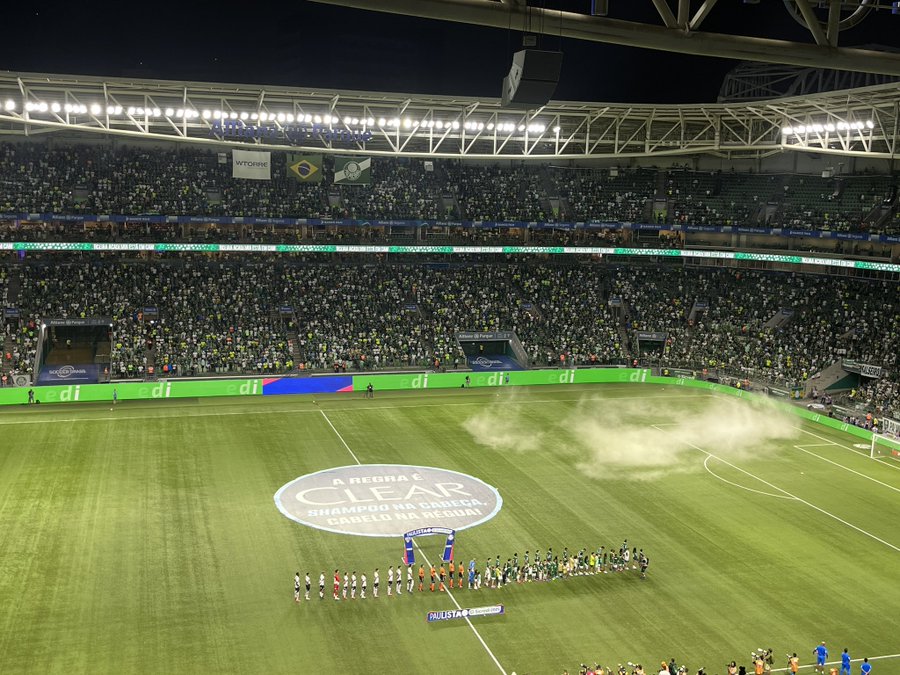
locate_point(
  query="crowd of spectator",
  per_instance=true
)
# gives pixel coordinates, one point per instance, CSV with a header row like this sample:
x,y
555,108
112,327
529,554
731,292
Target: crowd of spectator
x,y
129,180
260,316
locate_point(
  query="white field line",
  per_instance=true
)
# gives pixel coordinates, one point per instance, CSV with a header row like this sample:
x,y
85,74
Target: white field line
x,y
468,621
738,485
802,501
458,606
837,663
846,447
846,468
355,459
284,411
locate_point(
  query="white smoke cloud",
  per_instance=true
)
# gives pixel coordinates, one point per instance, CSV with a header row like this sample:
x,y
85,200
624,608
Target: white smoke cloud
x,y
611,438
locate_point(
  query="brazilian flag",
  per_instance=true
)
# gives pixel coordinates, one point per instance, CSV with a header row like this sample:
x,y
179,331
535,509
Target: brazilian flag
x,y
305,168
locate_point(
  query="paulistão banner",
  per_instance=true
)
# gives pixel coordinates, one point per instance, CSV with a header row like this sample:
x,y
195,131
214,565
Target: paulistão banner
x,y
446,615
251,164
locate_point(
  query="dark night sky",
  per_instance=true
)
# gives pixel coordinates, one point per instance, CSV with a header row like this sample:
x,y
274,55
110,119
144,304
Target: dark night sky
x,y
311,45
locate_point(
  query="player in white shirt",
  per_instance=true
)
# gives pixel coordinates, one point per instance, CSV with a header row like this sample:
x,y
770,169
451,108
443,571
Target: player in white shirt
x,y
307,586
322,586
362,595
375,581
399,580
353,586
409,579
346,583
390,579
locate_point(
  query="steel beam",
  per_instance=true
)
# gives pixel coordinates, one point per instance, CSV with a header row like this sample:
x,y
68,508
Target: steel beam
x,y
701,14
633,34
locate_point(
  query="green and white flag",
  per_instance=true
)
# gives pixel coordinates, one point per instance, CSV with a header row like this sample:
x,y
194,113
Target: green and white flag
x,y
353,170
305,168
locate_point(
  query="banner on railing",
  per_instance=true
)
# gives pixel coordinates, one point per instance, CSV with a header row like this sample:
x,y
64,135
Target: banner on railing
x,y
255,165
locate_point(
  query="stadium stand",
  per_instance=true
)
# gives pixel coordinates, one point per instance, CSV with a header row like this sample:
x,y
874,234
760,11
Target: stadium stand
x,y
125,180
218,316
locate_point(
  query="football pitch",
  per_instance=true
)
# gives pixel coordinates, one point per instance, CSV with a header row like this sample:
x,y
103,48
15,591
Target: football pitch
x,y
148,538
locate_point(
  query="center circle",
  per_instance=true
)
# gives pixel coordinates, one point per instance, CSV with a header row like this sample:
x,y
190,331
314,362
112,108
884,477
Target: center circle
x,y
387,500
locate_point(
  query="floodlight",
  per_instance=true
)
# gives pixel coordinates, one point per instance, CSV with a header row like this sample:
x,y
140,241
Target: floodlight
x,y
307,118
207,114
42,107
317,119
455,124
290,117
407,123
10,104
869,123
233,115
556,130
369,121
245,115
95,108
381,121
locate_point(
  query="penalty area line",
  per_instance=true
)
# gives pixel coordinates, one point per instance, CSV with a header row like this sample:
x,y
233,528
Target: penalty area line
x,y
841,445
425,557
799,499
802,448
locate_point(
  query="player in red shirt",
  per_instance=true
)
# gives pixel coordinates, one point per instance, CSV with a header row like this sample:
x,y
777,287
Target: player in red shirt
x,y
337,584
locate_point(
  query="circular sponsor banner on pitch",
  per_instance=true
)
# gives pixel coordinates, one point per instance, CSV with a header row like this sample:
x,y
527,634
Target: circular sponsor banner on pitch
x,y
387,500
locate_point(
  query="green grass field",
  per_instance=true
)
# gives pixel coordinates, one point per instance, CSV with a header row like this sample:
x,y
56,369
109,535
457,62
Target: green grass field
x,y
147,539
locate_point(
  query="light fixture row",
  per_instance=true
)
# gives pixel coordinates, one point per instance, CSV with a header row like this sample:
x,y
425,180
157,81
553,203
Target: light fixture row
x,y
828,127
281,117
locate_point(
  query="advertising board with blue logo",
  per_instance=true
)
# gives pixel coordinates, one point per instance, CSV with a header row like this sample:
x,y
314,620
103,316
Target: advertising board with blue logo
x,y
79,373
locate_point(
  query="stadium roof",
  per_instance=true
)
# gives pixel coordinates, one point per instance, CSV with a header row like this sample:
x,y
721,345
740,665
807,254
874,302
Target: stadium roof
x,y
856,122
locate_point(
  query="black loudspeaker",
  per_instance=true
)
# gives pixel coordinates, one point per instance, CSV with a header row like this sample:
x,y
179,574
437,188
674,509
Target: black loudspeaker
x,y
532,78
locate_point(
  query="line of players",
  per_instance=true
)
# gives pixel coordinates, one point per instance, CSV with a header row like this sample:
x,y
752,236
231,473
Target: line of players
x,y
537,568
551,566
